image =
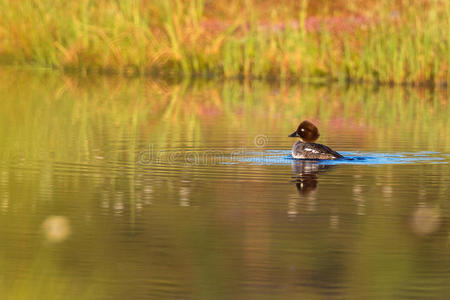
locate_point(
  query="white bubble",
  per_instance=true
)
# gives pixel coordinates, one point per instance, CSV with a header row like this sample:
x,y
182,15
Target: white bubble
x,y
56,228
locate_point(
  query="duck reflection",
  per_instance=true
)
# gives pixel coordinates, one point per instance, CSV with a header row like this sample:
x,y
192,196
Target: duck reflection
x,y
306,181
305,175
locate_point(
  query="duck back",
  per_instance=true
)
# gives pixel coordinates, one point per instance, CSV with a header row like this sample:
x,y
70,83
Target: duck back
x,y
303,150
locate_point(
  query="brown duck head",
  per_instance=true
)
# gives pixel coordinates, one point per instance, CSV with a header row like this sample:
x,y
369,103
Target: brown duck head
x,y
307,132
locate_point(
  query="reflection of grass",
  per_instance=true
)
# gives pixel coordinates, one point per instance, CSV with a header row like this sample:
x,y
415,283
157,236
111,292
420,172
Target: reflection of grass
x,y
74,119
385,43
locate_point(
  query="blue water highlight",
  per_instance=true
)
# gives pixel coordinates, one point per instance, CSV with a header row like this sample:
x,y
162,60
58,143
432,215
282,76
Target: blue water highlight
x,y
283,157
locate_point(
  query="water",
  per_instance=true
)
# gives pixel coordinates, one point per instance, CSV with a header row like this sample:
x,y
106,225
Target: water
x,y
125,188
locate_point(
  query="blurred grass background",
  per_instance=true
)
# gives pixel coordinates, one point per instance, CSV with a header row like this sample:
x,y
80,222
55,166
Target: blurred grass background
x,y
384,41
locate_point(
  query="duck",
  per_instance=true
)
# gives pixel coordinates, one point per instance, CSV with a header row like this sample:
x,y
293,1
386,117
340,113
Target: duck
x,y
305,148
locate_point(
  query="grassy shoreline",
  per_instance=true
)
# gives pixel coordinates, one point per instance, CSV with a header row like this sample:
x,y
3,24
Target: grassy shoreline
x,y
406,43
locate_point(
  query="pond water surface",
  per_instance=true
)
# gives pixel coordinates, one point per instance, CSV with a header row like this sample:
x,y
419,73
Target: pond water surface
x,y
117,188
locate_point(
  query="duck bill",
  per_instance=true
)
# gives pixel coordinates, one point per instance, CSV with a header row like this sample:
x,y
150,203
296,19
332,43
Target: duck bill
x,y
295,134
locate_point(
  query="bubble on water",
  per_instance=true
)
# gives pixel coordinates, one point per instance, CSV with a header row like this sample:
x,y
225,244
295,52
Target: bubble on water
x,y
425,219
56,228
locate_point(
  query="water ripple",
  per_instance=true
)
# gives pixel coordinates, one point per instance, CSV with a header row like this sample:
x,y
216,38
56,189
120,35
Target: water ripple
x,y
283,157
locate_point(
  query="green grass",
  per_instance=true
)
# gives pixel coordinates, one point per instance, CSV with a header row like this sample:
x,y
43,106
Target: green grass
x,y
408,43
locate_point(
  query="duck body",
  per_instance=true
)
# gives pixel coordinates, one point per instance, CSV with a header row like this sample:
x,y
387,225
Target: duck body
x,y
305,148
302,150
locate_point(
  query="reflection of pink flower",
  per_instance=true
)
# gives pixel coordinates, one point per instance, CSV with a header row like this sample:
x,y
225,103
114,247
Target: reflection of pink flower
x,y
209,111
349,124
